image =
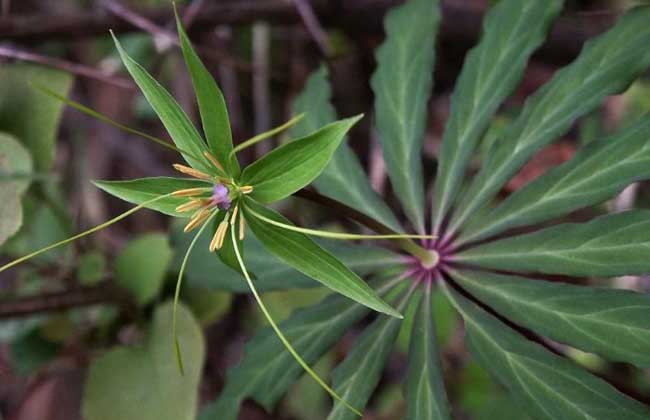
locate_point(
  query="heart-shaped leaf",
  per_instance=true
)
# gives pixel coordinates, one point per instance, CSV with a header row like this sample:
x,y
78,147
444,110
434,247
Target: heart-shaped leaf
x,y
15,169
143,383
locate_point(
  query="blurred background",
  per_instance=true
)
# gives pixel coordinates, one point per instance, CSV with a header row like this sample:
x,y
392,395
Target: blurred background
x,y
63,309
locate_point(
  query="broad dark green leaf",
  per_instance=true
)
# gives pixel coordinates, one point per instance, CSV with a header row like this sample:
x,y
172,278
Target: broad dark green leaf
x,y
143,382
205,270
424,388
612,323
178,125
402,85
27,113
356,378
292,166
138,191
612,245
141,266
512,30
306,256
606,66
343,179
212,105
267,370
599,171
545,385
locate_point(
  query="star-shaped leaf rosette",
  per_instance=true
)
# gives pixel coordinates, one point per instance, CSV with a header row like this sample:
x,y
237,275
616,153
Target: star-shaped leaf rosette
x,y
218,198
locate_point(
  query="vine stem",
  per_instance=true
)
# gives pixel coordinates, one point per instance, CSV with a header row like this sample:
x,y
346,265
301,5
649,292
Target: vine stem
x,y
427,257
281,335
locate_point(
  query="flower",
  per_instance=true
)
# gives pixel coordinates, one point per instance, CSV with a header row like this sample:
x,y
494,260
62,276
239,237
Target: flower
x,y
206,202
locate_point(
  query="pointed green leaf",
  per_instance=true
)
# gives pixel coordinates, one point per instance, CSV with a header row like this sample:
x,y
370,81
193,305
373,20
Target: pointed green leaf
x,y
343,179
606,66
267,370
356,378
512,30
612,323
612,245
138,191
306,256
545,385
424,388
212,105
599,171
292,166
28,114
403,84
204,270
177,123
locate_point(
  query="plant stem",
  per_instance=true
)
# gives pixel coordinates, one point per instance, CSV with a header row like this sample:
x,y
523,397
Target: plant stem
x,y
427,257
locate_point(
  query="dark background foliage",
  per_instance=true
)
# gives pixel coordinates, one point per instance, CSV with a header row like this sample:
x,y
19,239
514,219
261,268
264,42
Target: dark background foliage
x,y
62,311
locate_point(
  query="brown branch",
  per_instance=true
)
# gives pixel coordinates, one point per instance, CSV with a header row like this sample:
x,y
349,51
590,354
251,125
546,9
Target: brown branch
x,y
74,68
103,293
141,22
460,24
313,26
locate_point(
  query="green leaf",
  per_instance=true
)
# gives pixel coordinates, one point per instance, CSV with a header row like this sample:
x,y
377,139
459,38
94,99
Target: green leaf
x,y
584,317
14,159
606,66
611,245
212,105
402,85
178,125
31,352
204,270
141,266
599,171
356,378
545,385
28,114
143,383
343,179
424,388
512,30
208,306
91,268
306,256
267,370
292,166
138,191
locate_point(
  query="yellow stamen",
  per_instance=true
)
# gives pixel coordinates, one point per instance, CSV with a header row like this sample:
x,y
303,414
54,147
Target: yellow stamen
x,y
242,227
189,192
234,215
219,235
191,171
197,220
247,189
222,236
214,160
191,205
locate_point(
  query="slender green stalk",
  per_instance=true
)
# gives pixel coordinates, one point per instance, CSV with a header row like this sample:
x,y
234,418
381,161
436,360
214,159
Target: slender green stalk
x,y
177,292
281,336
101,117
82,234
335,235
263,136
